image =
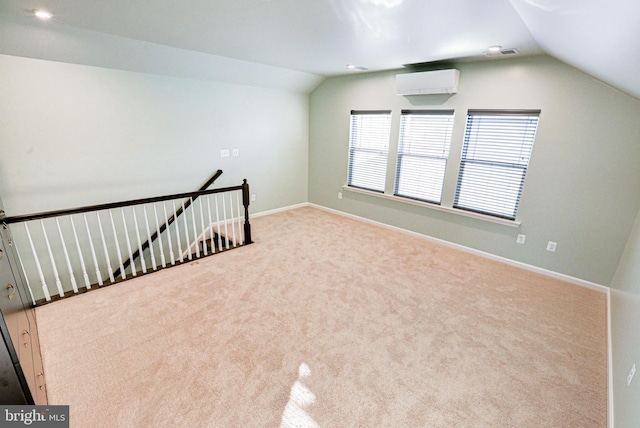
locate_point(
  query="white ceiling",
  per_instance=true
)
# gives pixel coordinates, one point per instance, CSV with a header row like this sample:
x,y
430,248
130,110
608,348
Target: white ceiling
x,y
320,37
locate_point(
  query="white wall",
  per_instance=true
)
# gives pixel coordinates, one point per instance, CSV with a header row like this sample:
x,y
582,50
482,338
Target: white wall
x,y
582,188
72,135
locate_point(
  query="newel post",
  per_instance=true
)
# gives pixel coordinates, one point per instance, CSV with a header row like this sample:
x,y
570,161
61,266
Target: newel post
x,y
245,201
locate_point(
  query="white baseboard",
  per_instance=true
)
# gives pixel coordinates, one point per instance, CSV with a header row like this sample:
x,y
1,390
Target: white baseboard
x,y
557,275
279,210
610,408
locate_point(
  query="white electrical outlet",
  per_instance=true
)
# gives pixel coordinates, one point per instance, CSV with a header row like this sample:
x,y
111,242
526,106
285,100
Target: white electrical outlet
x,y
236,152
551,246
224,153
520,239
339,195
253,197
631,373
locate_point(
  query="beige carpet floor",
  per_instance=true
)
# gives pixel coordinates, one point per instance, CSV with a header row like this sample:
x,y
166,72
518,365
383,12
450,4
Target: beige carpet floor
x,y
331,322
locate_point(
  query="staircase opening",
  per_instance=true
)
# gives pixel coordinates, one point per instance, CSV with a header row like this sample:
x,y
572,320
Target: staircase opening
x,y
67,252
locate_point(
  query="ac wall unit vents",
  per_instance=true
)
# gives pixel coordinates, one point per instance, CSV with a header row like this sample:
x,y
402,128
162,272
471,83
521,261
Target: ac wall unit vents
x,y
428,82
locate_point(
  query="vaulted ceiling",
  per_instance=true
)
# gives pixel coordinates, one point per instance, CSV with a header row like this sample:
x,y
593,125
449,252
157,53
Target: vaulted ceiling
x,y
311,39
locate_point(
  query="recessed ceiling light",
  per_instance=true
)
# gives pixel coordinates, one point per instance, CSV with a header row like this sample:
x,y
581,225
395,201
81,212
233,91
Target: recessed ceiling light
x,y
494,49
43,14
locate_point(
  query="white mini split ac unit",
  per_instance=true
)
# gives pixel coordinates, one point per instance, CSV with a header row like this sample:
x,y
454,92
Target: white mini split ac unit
x,y
428,82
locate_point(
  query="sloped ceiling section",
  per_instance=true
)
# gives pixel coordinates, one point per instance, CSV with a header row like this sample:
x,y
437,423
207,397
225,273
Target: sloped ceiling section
x,y
295,43
20,37
313,36
599,37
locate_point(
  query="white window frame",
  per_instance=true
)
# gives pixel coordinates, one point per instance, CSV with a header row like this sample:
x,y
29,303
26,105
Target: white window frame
x,y
369,135
495,157
423,152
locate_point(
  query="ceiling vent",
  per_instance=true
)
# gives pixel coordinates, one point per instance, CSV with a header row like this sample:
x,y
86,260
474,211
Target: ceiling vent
x,y
428,82
501,52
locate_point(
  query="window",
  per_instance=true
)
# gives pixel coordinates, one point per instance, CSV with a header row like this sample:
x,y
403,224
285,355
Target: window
x,y
368,148
495,156
423,150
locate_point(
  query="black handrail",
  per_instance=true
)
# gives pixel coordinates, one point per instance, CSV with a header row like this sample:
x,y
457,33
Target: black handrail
x,y
91,208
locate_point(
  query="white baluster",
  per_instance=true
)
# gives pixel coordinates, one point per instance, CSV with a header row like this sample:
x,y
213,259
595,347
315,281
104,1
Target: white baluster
x,y
186,232
171,254
233,220
146,221
45,288
93,251
115,236
129,249
210,228
195,230
85,275
104,247
204,231
24,272
135,222
218,224
66,257
240,228
226,224
175,221
53,262
163,262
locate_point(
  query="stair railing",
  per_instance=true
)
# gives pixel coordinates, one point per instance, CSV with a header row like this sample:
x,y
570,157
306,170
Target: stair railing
x,y
169,221
56,247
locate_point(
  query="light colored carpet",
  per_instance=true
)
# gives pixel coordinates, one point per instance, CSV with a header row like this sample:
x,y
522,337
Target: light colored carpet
x,y
327,321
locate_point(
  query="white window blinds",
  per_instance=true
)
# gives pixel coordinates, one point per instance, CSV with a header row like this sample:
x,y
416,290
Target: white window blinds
x,y
368,148
495,156
423,150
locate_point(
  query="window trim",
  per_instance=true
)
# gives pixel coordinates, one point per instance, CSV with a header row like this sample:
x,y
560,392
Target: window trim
x,y
450,113
442,208
514,222
509,166
353,150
